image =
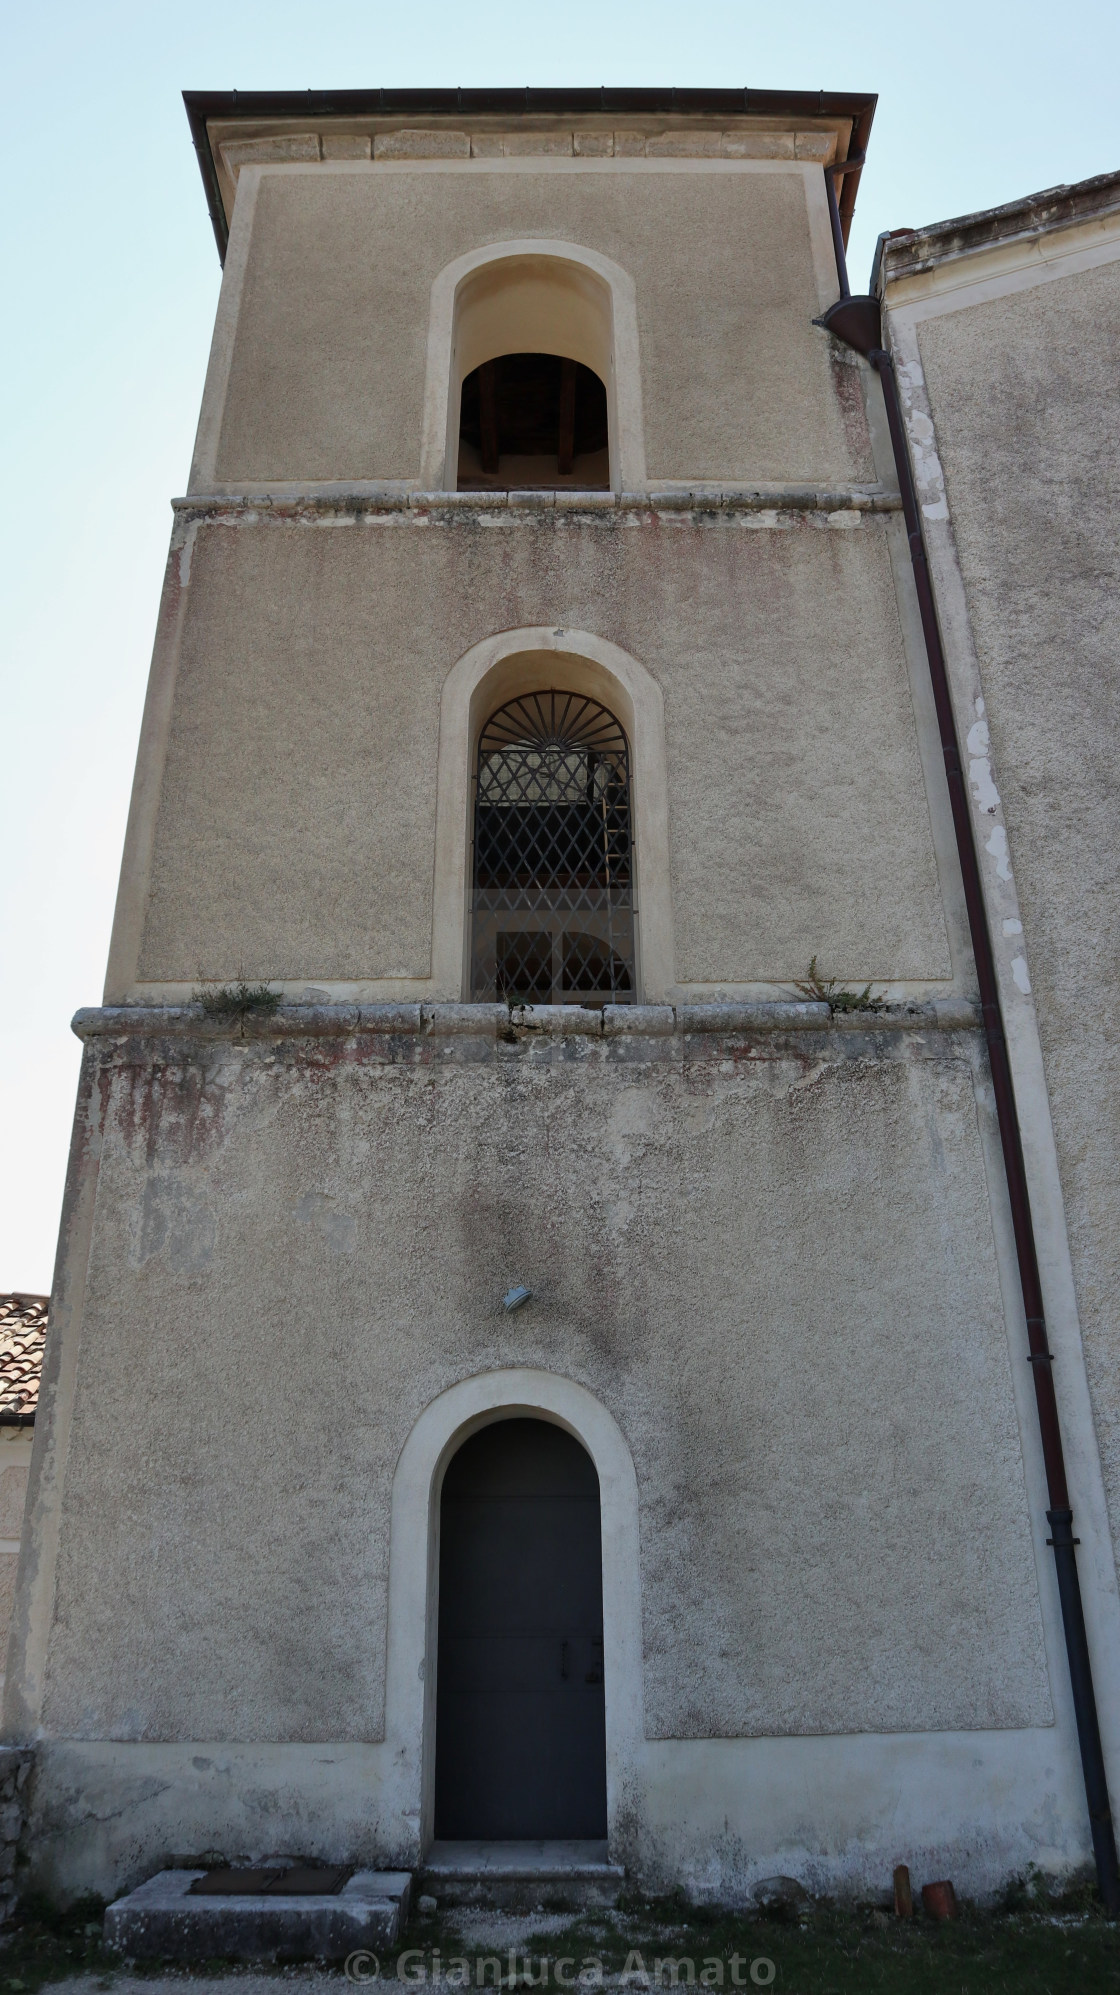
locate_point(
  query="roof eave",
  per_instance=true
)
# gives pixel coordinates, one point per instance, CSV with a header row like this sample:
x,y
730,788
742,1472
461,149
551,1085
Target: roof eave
x,y
204,105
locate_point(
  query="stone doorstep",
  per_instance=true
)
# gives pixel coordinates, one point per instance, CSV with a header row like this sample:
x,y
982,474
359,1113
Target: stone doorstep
x,y
161,1918
521,1876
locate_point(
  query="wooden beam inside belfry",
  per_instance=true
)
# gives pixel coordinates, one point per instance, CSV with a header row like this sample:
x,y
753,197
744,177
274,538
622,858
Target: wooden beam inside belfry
x,y
488,413
566,448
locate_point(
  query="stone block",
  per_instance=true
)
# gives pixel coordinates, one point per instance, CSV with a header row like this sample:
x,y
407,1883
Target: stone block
x,y
593,145
684,145
549,144
421,145
757,145
160,1918
346,145
629,145
293,149
486,145
815,145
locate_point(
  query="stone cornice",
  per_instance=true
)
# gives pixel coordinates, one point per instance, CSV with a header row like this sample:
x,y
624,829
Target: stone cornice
x,y
492,1021
295,501
914,252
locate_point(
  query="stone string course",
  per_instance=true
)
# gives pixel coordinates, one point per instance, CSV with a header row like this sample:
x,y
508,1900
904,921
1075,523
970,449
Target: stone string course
x,y
761,506
494,1021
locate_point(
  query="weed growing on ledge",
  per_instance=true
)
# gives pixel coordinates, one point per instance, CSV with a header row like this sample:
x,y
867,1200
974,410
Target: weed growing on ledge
x,y
827,990
237,1000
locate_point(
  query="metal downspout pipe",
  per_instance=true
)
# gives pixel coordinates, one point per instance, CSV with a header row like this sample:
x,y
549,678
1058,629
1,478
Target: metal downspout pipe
x,y
857,322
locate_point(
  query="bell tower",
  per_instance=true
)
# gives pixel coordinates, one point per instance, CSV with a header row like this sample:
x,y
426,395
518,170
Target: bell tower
x,y
535,1212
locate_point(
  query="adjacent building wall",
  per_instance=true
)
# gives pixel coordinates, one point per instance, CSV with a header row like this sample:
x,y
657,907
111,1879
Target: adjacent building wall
x,y
1017,342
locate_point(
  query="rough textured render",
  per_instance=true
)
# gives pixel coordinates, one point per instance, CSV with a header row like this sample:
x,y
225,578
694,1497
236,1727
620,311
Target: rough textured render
x,y
772,1263
297,819
329,362
1019,389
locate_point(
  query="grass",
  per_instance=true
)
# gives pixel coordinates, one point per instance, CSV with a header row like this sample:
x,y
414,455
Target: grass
x,y
1051,1948
1034,1946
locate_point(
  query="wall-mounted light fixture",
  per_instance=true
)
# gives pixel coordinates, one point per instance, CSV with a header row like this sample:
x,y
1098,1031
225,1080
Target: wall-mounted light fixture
x,y
517,1297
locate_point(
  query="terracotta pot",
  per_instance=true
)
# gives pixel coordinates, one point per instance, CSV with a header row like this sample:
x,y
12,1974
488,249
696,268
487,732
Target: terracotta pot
x,y
940,1900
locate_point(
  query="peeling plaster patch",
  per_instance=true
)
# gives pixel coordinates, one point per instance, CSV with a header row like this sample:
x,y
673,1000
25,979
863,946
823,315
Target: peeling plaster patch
x,y
1019,972
338,1229
764,518
177,1222
980,707
980,768
845,519
983,788
185,554
927,465
997,846
1012,927
910,375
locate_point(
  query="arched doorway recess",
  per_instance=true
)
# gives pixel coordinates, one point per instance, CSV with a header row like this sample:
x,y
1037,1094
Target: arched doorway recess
x,y
520,1732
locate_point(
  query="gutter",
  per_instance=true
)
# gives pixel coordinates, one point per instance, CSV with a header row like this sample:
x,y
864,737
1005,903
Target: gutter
x,y
203,105
857,322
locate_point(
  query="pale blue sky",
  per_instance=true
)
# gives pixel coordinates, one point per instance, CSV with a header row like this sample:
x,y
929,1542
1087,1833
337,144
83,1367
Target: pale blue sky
x,y
111,282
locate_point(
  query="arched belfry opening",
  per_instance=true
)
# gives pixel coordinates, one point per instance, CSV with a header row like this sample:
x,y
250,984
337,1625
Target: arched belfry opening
x,y
520,1712
533,420
532,393
552,908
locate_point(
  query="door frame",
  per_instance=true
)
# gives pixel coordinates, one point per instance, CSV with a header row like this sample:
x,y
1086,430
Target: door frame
x,y
410,1700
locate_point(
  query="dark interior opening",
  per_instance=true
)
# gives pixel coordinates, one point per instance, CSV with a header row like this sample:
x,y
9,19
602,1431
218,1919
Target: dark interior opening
x,y
533,420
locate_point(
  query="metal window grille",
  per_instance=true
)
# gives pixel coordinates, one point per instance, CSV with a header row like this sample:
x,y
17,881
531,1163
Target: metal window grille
x,y
552,902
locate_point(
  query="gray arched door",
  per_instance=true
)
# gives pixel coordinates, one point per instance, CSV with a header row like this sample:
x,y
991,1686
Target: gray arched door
x,y
520,1741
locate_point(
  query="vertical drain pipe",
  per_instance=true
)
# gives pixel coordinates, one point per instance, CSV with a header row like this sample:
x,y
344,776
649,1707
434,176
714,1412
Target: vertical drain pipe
x,y
857,322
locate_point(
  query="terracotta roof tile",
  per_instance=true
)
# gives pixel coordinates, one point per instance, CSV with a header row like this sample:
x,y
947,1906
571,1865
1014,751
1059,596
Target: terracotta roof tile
x,y
23,1332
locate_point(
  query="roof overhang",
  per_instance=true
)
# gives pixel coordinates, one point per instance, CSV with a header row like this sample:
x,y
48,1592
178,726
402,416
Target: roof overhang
x,y
832,126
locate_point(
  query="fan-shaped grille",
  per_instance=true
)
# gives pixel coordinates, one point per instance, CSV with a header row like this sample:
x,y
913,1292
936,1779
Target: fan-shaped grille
x,y
553,914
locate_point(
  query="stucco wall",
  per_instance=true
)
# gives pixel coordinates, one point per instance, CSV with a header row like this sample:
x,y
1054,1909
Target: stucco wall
x,y
771,1261
328,367
15,1457
296,828
1023,393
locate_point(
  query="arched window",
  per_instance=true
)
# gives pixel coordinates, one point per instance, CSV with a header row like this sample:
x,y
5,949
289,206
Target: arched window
x,y
552,903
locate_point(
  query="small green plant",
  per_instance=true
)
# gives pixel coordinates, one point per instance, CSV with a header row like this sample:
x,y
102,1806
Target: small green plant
x,y
237,1000
827,990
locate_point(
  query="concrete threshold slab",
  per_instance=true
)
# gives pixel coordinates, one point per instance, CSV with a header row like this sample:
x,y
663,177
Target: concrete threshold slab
x,y
161,1919
522,1874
